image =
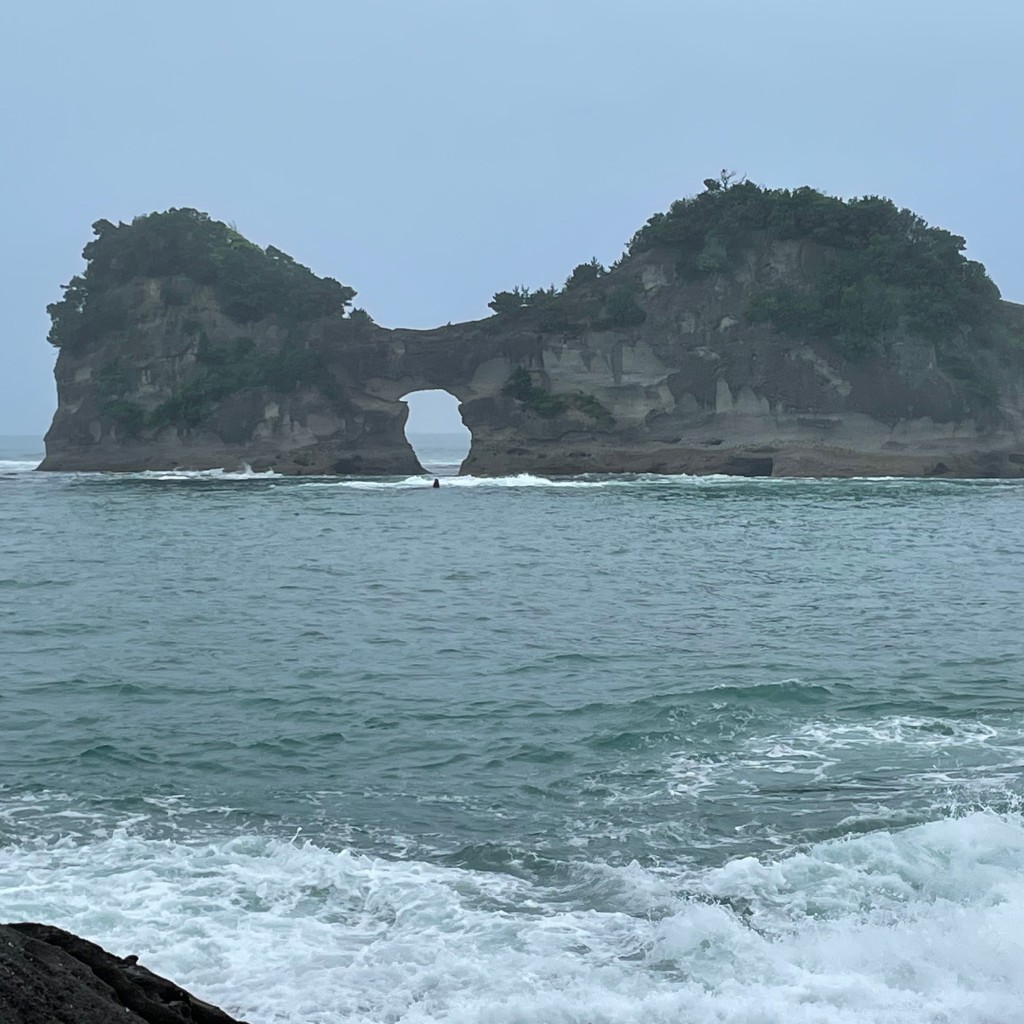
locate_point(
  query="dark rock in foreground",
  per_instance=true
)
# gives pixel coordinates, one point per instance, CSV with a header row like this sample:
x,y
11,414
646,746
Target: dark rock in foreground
x,y
49,976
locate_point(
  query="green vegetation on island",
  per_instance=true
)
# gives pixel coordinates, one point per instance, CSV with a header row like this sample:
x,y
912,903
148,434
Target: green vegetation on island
x,y
869,277
185,250
880,268
250,283
549,404
571,309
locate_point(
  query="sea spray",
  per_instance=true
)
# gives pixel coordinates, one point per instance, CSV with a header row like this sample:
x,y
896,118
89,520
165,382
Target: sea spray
x,y
916,925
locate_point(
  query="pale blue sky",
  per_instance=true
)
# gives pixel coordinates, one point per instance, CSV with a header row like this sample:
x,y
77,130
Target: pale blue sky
x,y
432,412
431,153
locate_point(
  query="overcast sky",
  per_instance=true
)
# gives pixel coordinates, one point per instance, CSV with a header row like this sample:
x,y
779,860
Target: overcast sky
x,y
431,152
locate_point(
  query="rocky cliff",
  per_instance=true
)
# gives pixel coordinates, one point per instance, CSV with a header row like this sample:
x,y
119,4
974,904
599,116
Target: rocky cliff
x,y
746,331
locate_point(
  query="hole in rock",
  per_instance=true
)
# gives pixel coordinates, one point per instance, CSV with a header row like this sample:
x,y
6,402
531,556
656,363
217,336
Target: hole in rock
x,y
436,432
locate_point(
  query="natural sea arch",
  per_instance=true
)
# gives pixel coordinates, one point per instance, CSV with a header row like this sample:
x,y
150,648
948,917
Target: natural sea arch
x,y
435,431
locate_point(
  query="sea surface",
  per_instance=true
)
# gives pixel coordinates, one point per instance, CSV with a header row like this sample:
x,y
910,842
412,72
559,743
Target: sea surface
x,y
520,751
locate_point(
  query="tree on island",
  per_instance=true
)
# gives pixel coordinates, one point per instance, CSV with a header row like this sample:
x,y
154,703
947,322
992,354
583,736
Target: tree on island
x,y
584,273
250,282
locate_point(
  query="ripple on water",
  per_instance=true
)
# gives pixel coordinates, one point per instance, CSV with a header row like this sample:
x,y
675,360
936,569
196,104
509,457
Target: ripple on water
x,y
605,734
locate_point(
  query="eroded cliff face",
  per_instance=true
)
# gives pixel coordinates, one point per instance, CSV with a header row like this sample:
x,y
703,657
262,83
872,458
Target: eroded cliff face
x,y
696,388
154,361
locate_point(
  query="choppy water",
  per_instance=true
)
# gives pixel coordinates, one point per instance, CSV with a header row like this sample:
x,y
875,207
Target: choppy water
x,y
603,750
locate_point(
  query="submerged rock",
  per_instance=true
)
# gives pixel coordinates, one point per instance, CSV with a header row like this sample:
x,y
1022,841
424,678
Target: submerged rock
x,y
49,976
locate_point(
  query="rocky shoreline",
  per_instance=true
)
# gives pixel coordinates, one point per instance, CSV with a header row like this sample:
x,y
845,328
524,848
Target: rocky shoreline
x,y
49,976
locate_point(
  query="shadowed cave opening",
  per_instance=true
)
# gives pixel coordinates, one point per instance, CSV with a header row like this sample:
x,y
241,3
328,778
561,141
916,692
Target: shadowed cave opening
x,y
436,432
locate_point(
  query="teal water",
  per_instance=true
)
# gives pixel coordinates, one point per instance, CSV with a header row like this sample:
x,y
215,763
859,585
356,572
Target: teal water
x,y
606,749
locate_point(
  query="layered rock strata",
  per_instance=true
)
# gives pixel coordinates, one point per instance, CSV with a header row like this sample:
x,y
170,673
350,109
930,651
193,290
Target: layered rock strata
x,y
696,387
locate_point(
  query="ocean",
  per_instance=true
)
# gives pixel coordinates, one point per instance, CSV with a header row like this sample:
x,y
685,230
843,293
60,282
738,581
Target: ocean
x,y
521,751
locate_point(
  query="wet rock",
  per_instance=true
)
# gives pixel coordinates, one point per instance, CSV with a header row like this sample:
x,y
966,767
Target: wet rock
x,y
49,976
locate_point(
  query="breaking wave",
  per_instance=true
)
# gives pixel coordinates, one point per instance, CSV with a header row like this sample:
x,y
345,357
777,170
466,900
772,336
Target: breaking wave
x,y
245,473
892,927
10,467
518,481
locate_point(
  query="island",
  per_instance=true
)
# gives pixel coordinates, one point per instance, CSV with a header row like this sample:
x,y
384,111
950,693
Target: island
x,y
746,330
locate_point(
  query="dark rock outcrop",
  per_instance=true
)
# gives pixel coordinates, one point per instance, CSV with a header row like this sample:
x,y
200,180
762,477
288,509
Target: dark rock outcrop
x,y
682,378
49,976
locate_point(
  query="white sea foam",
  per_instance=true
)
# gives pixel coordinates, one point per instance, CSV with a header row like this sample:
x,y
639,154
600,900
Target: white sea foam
x,y
520,480
245,473
690,776
9,466
904,927
813,747
907,730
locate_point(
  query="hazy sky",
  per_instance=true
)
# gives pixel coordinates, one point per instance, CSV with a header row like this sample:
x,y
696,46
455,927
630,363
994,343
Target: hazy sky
x,y
432,152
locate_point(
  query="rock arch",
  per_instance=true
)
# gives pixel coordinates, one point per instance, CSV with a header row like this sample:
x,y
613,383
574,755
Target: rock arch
x,y
689,389
436,432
